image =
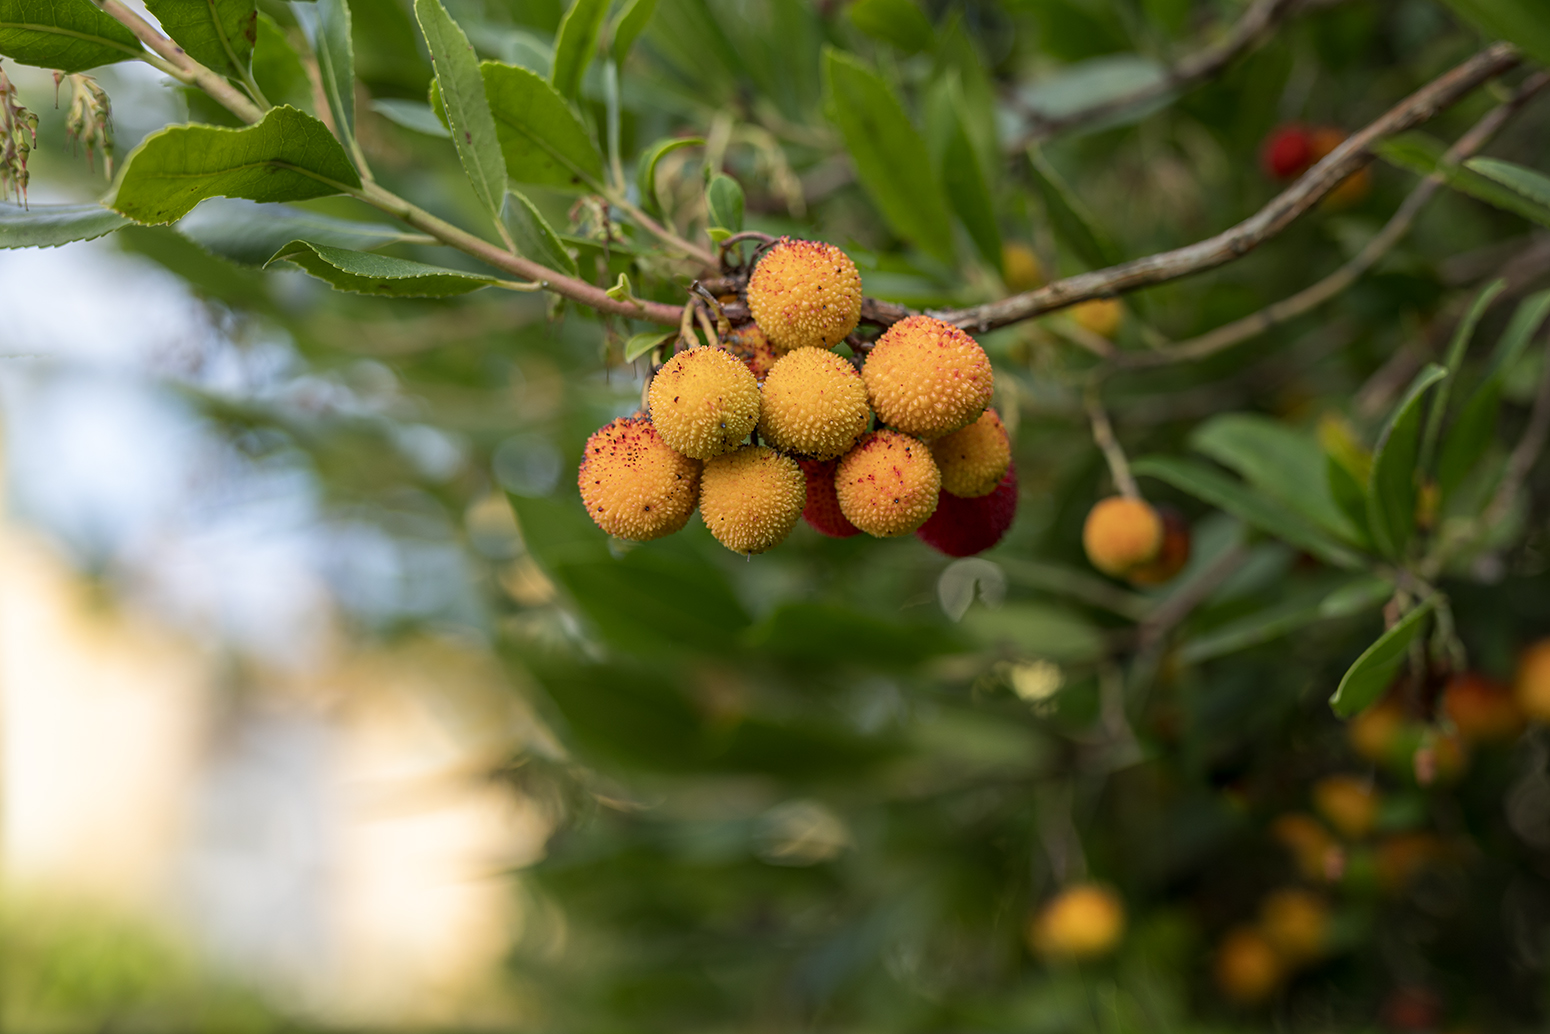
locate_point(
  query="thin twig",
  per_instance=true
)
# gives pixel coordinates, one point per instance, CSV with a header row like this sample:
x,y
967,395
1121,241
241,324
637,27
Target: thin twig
x,y
1103,435
1312,297
183,67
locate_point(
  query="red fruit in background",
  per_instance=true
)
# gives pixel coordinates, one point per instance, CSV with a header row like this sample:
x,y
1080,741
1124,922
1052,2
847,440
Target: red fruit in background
x,y
1174,554
823,505
1288,152
963,527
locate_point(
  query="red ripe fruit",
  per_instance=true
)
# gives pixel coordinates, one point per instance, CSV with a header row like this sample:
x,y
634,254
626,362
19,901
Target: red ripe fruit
x,y
1288,152
963,527
823,503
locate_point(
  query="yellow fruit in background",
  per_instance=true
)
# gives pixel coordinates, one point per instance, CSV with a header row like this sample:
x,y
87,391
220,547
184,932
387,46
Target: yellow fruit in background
x,y
805,294
1085,921
888,485
750,344
1296,923
1532,684
1122,534
928,378
1248,970
1317,854
1350,804
1377,733
1021,268
815,405
1483,710
704,401
750,499
1100,315
633,485
974,459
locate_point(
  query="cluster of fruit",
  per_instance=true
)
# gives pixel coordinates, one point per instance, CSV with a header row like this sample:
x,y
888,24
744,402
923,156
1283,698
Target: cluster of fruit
x,y
1293,149
775,425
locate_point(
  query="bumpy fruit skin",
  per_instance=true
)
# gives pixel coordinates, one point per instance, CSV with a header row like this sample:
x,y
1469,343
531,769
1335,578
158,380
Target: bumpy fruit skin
x,y
1084,921
963,527
815,405
1171,557
1021,268
633,485
928,378
1122,534
1482,709
1532,684
704,402
888,484
750,344
750,499
805,294
822,511
1350,804
1100,315
1287,152
974,459
1247,966
1296,923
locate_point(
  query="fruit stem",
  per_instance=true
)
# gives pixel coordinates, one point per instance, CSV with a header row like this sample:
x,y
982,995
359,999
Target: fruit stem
x,y
1103,436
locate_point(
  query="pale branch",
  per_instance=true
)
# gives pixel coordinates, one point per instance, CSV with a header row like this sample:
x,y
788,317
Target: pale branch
x,y
183,67
1103,437
1256,26
1312,297
1238,241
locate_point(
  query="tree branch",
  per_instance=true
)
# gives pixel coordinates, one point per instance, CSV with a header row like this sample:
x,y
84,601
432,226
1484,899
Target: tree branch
x,y
1238,241
1310,298
185,68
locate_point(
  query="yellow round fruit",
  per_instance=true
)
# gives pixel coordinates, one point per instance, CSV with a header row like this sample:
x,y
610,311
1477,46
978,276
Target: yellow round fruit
x,y
1317,854
1532,684
805,294
1122,534
814,405
633,485
1350,804
974,459
704,402
888,485
750,499
1100,315
750,344
1084,921
1248,969
928,378
1021,268
1296,923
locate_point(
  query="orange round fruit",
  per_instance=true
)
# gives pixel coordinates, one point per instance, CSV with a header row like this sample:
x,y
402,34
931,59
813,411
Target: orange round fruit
x,y
633,485
1084,921
750,499
750,344
805,294
1350,804
704,402
1248,970
1172,556
1482,709
974,459
1531,686
815,405
1122,534
928,378
888,484
1296,923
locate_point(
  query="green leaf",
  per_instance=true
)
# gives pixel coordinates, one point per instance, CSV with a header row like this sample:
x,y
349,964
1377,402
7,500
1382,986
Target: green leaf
x,y
632,20
287,156
1422,154
646,168
278,69
533,235
467,108
1531,184
1366,680
360,272
639,344
48,226
576,43
821,632
68,35
219,34
1267,514
1069,218
327,26
724,199
1391,486
1279,461
1454,358
661,600
1036,630
412,115
892,160
251,234
1475,427
541,137
897,22
1360,593
959,168
1520,22
1350,494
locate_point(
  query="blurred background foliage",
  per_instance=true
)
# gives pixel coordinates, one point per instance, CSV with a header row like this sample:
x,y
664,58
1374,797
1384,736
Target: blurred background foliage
x,y
828,787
